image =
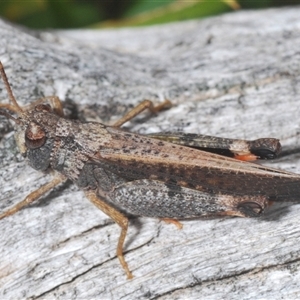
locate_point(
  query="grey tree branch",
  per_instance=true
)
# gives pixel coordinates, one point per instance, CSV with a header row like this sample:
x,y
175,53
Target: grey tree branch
x,y
235,75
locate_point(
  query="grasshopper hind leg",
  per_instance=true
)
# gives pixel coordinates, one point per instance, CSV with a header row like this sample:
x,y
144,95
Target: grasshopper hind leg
x,y
156,199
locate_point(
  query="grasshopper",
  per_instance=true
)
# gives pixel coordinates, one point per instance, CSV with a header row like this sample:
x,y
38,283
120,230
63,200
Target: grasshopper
x,y
159,176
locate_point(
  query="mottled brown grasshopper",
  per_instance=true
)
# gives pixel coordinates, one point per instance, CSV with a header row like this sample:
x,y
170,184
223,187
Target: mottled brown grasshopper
x,y
159,176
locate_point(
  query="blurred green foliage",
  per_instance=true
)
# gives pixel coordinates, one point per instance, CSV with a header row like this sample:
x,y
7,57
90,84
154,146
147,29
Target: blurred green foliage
x,y
90,13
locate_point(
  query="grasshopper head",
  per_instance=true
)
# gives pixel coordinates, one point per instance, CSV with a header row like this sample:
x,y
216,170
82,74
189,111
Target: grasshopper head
x,y
30,136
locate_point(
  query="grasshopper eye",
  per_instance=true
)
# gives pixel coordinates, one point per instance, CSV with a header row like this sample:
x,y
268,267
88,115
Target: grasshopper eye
x,y
43,107
35,136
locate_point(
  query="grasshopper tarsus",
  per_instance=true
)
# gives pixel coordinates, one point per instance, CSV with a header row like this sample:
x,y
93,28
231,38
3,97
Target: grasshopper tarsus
x,y
173,221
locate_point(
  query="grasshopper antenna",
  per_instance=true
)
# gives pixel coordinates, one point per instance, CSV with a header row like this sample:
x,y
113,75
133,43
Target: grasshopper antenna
x,y
14,106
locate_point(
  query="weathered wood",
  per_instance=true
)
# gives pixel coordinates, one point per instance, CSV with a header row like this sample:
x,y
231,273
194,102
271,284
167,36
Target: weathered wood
x,y
237,76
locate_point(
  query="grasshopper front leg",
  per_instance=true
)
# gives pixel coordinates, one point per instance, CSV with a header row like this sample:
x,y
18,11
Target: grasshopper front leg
x,y
35,195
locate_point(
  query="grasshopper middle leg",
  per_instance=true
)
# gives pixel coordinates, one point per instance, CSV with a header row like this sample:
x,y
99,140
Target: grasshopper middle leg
x,y
146,104
120,219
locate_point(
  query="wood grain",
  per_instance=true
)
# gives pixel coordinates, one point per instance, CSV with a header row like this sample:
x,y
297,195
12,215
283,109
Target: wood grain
x,y
235,75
